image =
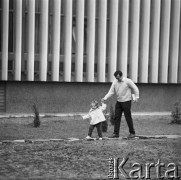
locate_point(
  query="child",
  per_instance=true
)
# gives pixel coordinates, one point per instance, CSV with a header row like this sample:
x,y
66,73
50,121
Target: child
x,y
96,117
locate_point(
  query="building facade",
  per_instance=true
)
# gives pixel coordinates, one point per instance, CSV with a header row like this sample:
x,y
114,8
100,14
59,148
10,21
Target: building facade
x,y
61,54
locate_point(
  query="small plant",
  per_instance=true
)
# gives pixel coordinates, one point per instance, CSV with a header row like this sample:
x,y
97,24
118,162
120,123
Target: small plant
x,y
176,113
36,121
104,126
112,115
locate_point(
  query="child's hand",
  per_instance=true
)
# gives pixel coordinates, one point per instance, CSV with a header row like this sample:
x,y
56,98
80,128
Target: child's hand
x,y
86,117
103,106
102,100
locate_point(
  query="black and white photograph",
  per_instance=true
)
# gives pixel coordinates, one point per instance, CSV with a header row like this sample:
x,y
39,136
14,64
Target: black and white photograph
x,y
90,89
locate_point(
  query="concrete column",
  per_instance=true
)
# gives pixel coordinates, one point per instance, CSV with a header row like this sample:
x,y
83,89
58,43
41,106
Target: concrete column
x,y
164,40
134,39
179,64
23,37
91,6
56,39
18,40
68,40
113,36
144,41
123,36
154,40
5,27
31,39
102,21
79,40
174,41
44,40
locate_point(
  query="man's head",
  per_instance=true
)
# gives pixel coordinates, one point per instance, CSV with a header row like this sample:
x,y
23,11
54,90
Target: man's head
x,y
118,75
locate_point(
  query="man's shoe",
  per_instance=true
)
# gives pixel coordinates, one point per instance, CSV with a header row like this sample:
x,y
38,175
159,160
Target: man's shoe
x,y
114,136
131,136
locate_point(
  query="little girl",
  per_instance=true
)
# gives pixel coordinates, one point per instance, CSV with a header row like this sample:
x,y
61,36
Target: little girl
x,y
96,117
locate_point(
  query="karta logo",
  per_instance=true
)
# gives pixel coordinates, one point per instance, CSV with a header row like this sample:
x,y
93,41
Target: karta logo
x,y
116,169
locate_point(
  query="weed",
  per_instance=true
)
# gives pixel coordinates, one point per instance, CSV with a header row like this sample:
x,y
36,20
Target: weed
x,y
104,126
112,115
36,121
176,113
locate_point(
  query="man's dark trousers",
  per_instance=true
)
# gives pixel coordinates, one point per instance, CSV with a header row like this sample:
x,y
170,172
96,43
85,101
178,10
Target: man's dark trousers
x,y
121,107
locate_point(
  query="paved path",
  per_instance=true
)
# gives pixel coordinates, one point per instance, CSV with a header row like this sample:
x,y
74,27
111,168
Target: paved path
x,y
77,139
74,115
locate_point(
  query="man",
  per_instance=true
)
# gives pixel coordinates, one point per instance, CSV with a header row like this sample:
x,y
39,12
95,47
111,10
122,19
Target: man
x,y
123,88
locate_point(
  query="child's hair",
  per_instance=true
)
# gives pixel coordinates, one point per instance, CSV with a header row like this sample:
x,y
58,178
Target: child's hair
x,y
95,102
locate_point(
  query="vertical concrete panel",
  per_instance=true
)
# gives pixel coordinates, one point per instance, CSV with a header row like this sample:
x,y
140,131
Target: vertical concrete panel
x,y
79,40
102,21
154,40
164,40
91,6
123,36
174,41
113,36
5,27
68,40
23,37
134,39
44,40
144,41
56,39
18,40
179,59
179,67
31,40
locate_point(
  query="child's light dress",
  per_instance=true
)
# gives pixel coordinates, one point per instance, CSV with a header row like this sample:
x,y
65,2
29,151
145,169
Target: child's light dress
x,y
96,115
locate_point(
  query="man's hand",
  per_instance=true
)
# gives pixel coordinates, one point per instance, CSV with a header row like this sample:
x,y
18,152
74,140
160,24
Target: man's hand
x,y
134,98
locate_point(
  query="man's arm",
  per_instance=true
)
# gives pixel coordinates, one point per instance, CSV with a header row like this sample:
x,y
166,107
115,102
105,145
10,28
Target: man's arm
x,y
135,89
110,92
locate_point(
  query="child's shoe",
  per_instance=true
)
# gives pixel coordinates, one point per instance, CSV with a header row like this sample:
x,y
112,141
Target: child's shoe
x,y
88,138
100,138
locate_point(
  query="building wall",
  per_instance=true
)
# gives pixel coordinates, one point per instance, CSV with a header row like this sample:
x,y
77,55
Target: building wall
x,y
87,40
52,97
55,49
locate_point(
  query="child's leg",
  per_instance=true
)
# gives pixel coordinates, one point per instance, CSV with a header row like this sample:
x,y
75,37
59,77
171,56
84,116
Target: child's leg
x,y
91,128
99,129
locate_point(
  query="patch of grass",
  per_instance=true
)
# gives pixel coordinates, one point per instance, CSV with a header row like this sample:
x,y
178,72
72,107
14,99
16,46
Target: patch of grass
x,y
55,127
81,159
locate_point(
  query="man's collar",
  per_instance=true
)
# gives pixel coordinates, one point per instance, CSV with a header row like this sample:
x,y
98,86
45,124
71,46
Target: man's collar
x,y
123,79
